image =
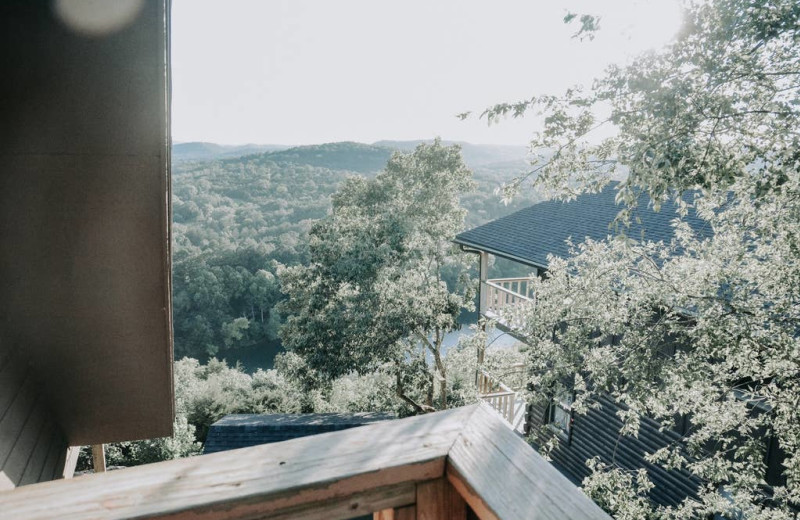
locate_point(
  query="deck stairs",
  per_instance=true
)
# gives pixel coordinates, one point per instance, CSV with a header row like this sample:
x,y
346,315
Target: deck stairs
x,y
505,400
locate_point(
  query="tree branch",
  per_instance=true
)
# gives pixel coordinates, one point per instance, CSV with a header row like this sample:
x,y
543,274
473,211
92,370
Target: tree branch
x,y
420,408
425,341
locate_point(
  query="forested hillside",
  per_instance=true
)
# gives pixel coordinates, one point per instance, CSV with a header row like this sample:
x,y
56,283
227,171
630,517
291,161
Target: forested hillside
x,y
199,151
474,154
236,220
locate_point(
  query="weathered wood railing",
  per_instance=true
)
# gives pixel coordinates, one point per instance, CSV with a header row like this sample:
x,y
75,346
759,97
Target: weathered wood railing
x,y
500,297
439,465
497,395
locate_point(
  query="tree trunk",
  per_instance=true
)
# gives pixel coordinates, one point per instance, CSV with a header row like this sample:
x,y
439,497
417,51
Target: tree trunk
x,y
431,383
437,357
400,391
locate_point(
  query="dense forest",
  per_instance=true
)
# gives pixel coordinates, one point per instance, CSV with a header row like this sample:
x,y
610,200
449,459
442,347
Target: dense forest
x,y
236,219
240,220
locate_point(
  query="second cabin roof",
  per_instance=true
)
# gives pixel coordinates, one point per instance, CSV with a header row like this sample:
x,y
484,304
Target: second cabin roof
x,y
529,235
243,430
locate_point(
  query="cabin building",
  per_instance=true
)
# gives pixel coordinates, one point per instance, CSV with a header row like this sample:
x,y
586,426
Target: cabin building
x,y
85,310
526,238
236,431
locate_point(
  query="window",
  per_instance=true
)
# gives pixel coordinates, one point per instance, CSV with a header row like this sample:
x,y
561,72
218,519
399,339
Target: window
x,y
774,455
560,415
774,459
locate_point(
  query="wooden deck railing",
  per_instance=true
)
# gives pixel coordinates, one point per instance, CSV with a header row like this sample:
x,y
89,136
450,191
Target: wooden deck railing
x,y
438,465
497,395
501,299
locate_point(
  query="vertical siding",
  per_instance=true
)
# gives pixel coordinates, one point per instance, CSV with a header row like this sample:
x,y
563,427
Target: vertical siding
x,y
31,443
596,434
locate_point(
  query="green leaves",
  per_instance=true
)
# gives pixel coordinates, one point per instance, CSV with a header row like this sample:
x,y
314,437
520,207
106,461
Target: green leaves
x,y
704,328
374,288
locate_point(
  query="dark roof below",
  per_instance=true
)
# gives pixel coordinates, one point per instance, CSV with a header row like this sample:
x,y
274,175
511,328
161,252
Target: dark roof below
x,y
530,234
241,430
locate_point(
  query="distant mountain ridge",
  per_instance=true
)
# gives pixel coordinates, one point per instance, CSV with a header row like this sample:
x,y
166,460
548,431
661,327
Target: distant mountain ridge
x,y
474,154
200,151
346,155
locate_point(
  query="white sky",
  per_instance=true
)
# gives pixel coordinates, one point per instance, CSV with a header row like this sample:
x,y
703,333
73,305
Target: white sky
x,y
314,71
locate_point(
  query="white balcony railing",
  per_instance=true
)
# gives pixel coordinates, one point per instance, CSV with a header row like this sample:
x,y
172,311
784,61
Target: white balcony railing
x,y
503,298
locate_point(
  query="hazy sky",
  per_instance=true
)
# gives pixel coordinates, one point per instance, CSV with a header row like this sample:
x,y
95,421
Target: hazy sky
x,y
313,71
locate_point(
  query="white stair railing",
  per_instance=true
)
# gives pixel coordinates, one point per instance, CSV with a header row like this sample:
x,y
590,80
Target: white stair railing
x,y
497,395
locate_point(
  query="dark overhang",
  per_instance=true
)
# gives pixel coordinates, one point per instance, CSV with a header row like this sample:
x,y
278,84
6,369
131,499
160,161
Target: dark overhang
x,y
84,213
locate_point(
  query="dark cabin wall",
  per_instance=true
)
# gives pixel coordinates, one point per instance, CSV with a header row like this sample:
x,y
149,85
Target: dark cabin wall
x,y
596,434
33,448
84,212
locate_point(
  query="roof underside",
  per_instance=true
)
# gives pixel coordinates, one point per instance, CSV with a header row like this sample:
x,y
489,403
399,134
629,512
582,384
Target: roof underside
x,y
531,234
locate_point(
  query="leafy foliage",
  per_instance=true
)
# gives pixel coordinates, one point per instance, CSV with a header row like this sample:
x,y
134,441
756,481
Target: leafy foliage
x,y
235,223
204,393
716,112
373,293
133,453
348,156
237,220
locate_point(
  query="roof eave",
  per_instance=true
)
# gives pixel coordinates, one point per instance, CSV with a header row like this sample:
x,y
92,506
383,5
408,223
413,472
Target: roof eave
x,y
496,252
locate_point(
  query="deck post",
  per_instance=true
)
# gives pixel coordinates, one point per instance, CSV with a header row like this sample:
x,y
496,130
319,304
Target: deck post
x,y
399,513
482,287
99,458
406,513
439,500
484,275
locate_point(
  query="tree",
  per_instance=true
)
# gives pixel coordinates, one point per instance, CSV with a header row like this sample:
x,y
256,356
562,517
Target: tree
x,y
373,295
717,111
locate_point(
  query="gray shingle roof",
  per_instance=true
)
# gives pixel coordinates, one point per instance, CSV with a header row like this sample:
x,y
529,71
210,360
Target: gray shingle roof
x,y
242,430
530,234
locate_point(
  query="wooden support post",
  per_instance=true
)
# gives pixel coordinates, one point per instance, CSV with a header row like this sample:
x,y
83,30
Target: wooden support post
x,y
400,513
484,271
438,500
99,458
406,513
483,295
66,464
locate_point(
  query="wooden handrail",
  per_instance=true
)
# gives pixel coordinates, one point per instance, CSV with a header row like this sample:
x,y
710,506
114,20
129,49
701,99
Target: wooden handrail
x,y
394,465
498,394
487,383
479,461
